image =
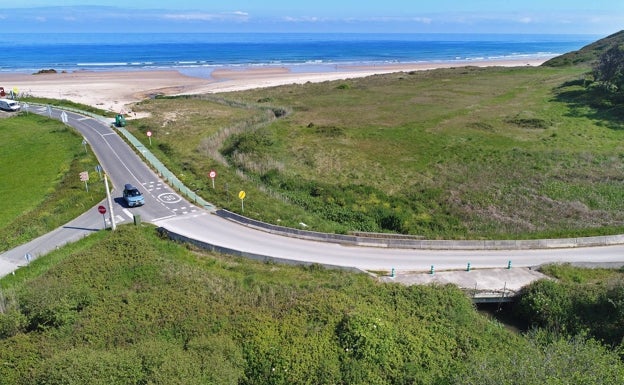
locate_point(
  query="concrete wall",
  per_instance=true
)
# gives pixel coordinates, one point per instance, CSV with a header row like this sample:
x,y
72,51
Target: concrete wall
x,y
257,257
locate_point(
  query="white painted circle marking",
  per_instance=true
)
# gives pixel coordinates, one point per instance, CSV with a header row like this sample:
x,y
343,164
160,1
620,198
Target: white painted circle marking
x,y
169,198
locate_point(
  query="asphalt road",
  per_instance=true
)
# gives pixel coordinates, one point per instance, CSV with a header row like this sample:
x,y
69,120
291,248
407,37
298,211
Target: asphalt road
x,y
165,208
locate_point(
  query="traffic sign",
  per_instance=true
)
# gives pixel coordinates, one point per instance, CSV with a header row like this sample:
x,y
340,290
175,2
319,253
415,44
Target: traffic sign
x,y
212,176
102,210
84,176
241,196
149,133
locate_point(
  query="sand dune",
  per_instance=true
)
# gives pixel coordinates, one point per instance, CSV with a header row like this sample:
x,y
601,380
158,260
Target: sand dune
x,y
116,90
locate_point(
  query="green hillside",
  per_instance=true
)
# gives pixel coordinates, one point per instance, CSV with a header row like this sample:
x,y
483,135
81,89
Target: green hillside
x,y
587,55
459,153
39,178
127,307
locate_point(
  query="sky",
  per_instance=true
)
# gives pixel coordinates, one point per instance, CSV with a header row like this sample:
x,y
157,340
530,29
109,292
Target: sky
x,y
596,17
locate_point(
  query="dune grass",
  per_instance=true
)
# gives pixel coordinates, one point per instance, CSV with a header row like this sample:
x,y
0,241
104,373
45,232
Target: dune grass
x,y
39,177
451,153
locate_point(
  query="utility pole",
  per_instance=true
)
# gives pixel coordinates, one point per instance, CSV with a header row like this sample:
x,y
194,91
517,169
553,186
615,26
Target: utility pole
x,y
110,203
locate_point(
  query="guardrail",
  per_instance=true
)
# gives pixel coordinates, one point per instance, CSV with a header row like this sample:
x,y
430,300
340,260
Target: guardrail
x,y
427,244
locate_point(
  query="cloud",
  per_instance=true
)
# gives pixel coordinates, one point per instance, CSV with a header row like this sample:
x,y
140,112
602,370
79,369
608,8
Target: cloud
x,y
201,16
382,19
106,18
416,19
303,19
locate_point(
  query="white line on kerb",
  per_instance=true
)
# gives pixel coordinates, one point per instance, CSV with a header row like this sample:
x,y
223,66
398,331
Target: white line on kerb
x,y
128,213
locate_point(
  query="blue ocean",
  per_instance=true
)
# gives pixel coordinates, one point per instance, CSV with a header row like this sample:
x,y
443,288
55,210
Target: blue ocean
x,y
198,54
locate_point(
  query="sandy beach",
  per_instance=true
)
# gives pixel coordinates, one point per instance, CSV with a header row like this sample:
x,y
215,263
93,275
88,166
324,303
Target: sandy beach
x,y
116,90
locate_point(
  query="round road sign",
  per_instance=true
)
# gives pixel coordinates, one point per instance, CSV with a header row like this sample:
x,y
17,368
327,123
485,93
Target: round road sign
x,y
212,174
102,210
149,133
241,195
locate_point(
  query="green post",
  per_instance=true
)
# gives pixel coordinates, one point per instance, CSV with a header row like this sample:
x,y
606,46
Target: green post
x,y
432,270
392,274
468,267
509,264
137,220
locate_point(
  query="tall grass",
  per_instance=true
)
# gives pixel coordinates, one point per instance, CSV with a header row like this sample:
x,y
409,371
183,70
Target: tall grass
x,y
450,153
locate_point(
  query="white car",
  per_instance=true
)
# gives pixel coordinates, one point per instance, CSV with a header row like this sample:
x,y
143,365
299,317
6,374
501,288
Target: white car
x,y
9,105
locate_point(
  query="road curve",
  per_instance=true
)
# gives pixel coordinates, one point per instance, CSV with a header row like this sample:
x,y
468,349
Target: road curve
x,y
166,209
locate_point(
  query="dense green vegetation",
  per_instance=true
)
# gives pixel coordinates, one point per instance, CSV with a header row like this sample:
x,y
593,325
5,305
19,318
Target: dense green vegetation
x,y
581,301
126,307
39,178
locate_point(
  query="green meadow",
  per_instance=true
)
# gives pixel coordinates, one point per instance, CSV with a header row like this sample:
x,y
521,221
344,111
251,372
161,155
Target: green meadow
x,y
39,178
461,153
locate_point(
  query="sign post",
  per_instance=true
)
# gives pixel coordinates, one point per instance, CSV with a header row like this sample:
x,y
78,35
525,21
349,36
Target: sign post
x,y
212,175
149,135
84,176
241,196
110,204
102,210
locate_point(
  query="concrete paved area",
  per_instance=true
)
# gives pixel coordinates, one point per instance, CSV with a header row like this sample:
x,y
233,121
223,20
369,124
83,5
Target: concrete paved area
x,y
479,282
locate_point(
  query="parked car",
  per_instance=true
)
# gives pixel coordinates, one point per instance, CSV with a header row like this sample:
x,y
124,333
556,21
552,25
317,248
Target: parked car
x,y
9,105
132,196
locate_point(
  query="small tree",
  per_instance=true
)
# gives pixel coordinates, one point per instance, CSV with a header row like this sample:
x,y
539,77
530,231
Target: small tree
x,y
609,70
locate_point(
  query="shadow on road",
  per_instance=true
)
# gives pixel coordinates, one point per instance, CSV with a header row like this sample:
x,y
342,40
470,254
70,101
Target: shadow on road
x,y
81,228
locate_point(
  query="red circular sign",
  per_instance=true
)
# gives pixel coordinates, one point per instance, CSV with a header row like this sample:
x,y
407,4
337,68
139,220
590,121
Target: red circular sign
x,y
149,133
213,174
102,209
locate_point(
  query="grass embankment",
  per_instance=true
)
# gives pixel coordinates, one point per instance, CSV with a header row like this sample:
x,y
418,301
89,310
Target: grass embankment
x,y
68,104
126,307
39,178
450,153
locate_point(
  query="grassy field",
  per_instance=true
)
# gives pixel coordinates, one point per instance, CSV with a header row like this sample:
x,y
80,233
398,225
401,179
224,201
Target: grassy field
x,y
39,177
450,153
127,307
